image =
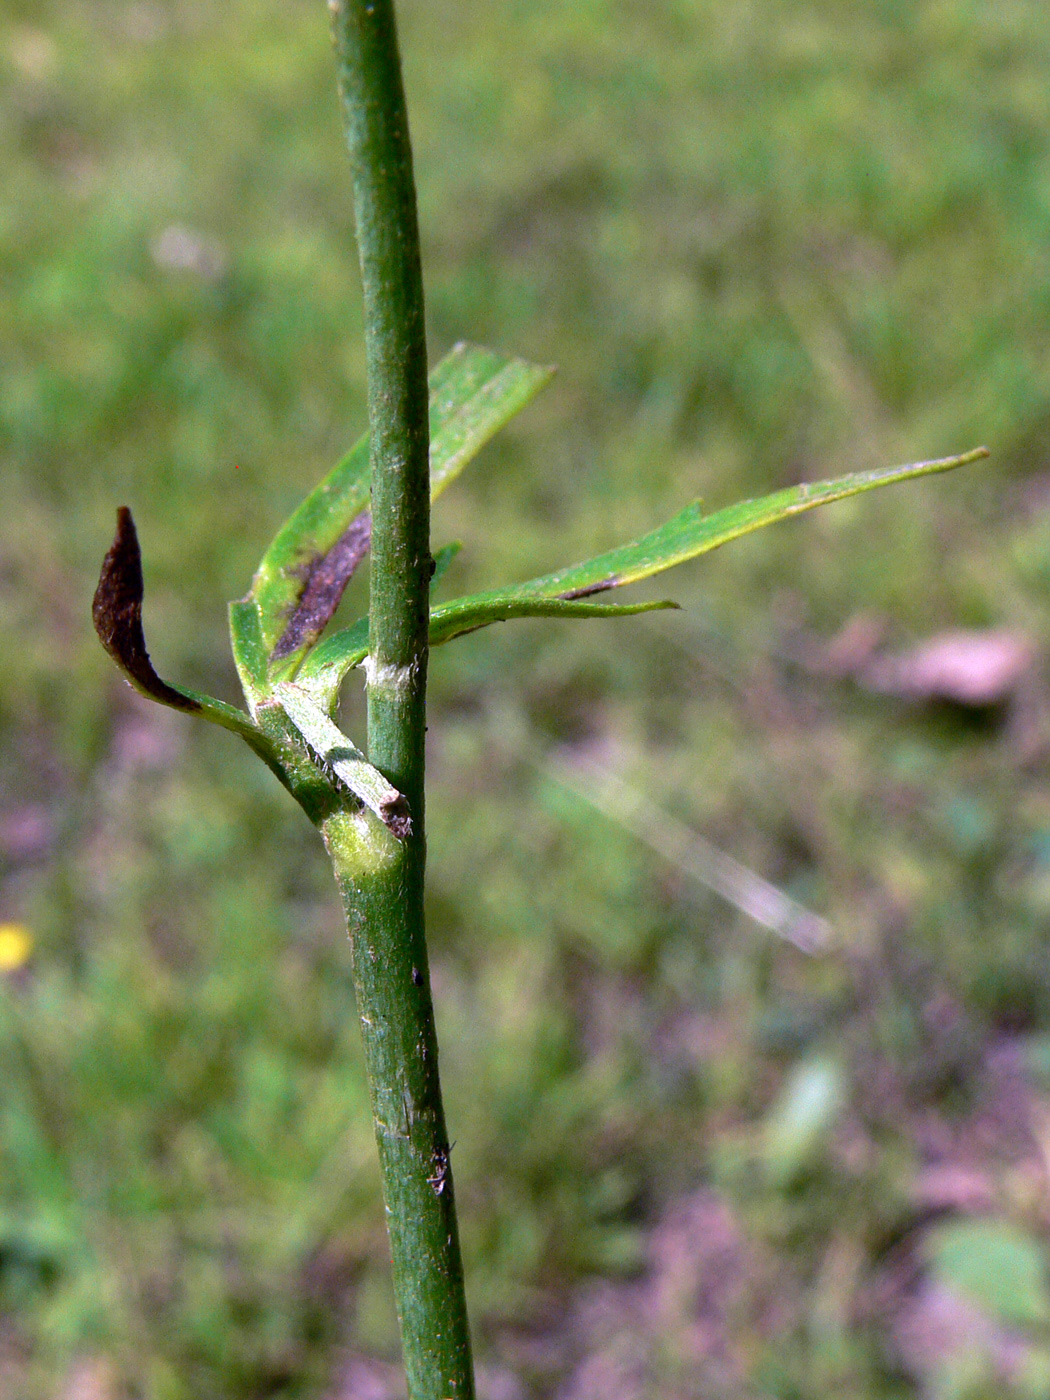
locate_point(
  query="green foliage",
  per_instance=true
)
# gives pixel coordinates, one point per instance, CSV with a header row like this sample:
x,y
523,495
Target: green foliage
x,y
688,535
997,1266
473,392
301,579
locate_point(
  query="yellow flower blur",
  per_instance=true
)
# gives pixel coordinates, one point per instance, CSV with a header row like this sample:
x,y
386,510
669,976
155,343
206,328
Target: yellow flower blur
x,y
16,944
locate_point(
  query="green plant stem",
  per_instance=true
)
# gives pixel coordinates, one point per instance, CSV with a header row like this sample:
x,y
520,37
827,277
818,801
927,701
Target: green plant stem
x,y
380,876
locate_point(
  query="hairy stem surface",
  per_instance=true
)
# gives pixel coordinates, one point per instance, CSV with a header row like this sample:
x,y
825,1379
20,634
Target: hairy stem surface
x,y
381,877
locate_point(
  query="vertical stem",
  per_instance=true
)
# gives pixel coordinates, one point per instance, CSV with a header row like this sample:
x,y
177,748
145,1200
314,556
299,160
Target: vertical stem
x,y
381,878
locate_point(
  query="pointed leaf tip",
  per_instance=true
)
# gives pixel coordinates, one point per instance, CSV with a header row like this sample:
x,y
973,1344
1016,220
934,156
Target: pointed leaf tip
x,y
116,611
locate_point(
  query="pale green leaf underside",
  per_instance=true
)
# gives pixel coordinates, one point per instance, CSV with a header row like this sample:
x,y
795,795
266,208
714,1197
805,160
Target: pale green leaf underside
x,y
323,670
249,650
473,393
685,536
344,758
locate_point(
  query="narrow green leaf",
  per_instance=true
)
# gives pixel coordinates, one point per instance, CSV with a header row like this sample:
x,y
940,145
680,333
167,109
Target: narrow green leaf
x,y
306,538
323,670
690,533
473,393
344,758
453,619
685,536
297,587
249,651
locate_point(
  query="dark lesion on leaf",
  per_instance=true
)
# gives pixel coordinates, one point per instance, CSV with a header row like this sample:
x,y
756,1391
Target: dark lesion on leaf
x,y
117,613
602,586
326,578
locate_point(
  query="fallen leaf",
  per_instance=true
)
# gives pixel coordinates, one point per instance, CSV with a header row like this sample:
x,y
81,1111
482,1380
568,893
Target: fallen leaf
x,y
970,667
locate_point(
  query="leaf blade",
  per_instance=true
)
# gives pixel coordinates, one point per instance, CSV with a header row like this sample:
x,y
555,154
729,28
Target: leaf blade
x,y
473,393
689,534
322,673
563,593
456,618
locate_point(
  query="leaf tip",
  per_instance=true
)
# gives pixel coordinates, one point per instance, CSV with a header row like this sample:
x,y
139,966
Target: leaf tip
x,y
116,611
397,817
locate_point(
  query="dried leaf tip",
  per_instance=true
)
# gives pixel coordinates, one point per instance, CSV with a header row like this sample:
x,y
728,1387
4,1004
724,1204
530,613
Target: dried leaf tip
x,y
396,816
116,611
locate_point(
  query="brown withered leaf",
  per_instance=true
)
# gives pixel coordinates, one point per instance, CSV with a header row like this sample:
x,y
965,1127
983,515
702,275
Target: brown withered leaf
x,y
117,614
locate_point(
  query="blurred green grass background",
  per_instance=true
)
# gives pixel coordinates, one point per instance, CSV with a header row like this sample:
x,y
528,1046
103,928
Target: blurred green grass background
x,y
763,242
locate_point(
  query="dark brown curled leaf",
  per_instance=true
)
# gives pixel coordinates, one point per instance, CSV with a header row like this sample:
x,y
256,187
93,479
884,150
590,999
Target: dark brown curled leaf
x,y
117,614
602,586
327,577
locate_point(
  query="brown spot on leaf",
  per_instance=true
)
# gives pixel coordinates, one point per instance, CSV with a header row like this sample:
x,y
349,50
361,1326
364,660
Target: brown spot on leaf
x,y
117,614
602,586
326,578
